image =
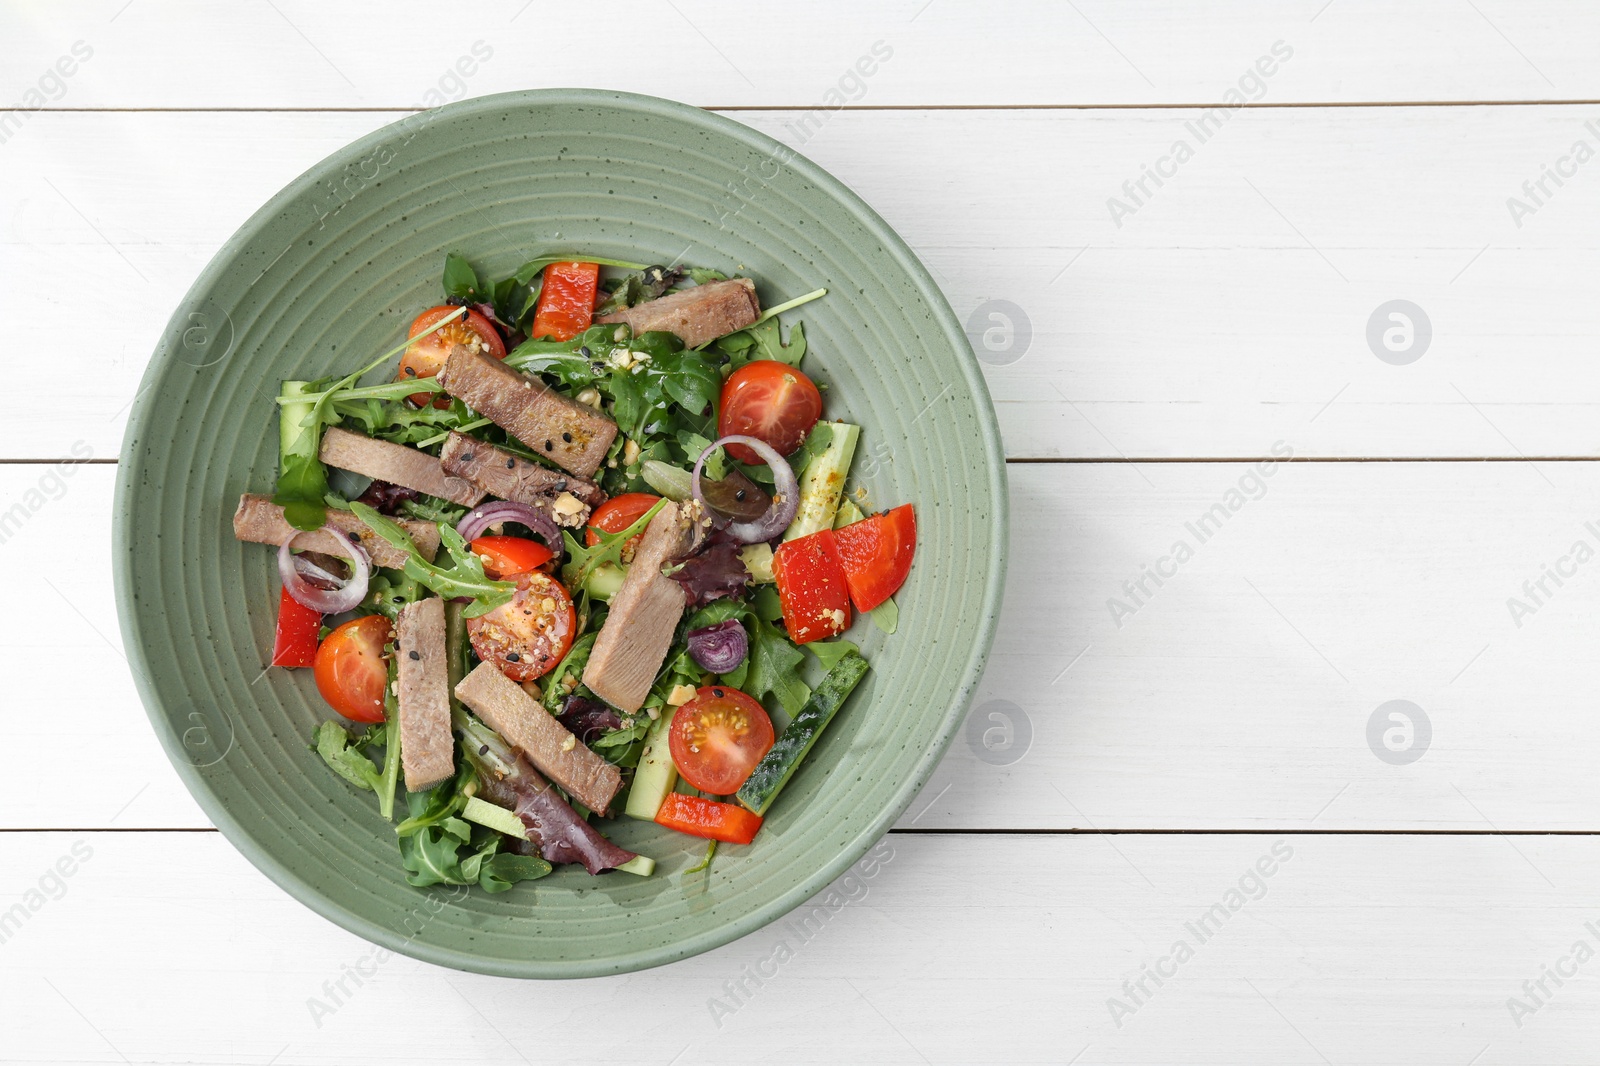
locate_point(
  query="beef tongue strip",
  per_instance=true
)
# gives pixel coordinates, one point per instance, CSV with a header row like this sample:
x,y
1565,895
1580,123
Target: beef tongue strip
x,y
644,613
696,315
260,521
572,435
511,477
396,464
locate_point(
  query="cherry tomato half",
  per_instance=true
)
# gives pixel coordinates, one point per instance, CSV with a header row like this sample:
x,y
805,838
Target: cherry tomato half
x,y
718,737
617,514
771,401
527,637
424,358
510,555
352,670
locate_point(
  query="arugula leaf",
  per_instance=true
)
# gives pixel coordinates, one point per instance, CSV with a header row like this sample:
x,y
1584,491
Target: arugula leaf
x,y
829,652
577,657
638,287
766,604
583,560
499,872
775,667
444,801
764,340
344,756
461,282
391,590
704,275
466,578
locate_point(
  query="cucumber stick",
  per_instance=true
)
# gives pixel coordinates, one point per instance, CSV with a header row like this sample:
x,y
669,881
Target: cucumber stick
x,y
822,483
656,775
497,818
504,821
785,756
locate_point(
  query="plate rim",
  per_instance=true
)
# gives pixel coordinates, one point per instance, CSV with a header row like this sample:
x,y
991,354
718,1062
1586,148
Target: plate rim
x,y
850,851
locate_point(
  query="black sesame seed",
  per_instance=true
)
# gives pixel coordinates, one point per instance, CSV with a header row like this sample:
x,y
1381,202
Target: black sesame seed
x,y
483,749
513,657
718,693
549,446
511,464
560,485
584,351
567,437
415,656
739,495
467,458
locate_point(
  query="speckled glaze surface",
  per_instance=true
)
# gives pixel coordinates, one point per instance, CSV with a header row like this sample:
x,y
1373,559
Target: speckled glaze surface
x,y
329,274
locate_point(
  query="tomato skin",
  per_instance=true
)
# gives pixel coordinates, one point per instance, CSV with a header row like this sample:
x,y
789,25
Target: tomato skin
x,y
709,819
617,514
424,358
294,643
566,300
771,401
510,555
717,738
812,587
525,639
351,668
876,554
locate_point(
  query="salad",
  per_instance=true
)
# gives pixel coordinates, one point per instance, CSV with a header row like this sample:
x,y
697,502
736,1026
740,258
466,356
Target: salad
x,y
567,563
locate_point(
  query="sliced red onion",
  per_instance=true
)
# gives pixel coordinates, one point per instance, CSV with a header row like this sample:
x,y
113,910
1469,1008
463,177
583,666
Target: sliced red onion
x,y
480,518
719,648
785,491
336,600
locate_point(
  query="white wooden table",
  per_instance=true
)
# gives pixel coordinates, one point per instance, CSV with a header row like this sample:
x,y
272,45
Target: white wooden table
x,y
1133,763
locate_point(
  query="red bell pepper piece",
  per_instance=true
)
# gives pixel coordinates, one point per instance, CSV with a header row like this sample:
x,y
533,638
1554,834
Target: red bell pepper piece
x,y
298,628
566,300
876,554
698,817
812,587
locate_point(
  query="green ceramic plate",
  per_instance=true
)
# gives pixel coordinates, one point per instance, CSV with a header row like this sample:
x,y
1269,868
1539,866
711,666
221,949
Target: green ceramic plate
x,y
329,274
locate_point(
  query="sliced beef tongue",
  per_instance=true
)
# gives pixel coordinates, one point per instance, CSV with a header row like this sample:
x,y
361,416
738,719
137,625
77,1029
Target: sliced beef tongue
x,y
427,745
534,731
260,521
644,614
572,435
555,832
567,497
696,315
396,464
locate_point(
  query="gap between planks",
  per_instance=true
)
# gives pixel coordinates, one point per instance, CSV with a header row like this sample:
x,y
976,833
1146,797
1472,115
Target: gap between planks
x,y
1109,460
802,108
1021,832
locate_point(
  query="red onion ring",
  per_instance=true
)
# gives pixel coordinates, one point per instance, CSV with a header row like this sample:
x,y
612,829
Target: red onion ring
x,y
480,518
326,601
785,491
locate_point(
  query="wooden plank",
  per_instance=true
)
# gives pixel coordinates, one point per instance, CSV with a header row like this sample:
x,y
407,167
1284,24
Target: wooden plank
x,y
1230,311
1235,695
299,54
1364,949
